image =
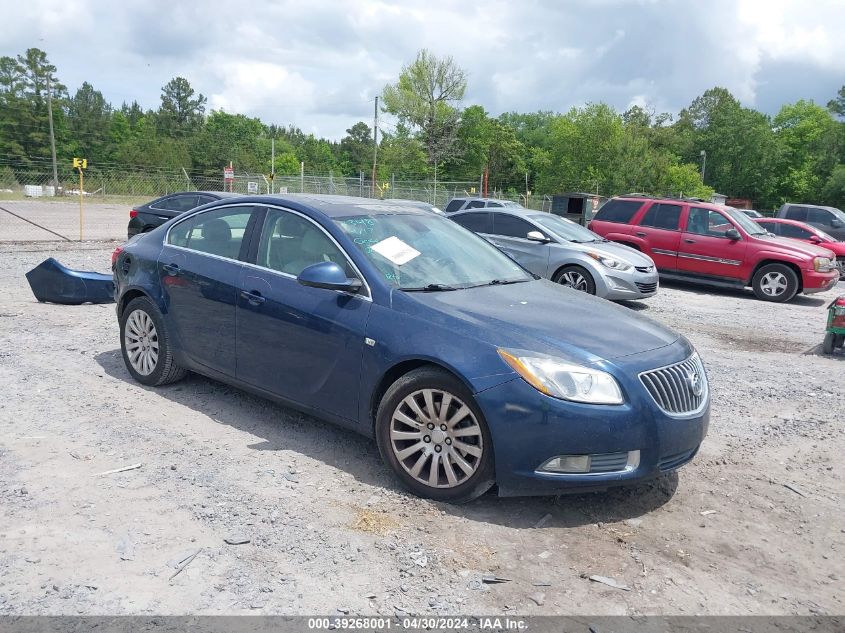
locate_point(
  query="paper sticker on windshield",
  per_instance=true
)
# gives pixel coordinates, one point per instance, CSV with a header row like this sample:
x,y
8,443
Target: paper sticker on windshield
x,y
395,250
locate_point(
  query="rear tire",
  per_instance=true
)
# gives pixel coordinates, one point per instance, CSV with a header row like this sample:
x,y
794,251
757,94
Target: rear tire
x,y
829,343
577,278
775,282
434,438
145,343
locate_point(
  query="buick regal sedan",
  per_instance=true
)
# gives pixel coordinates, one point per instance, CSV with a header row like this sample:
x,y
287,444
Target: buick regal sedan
x,y
466,369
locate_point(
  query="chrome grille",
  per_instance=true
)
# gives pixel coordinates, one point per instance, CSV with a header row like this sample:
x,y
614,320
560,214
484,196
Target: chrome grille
x,y
679,389
646,288
644,269
840,264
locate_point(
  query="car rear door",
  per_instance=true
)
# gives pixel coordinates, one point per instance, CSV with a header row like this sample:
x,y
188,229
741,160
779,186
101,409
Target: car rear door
x,y
828,221
510,234
301,343
199,268
705,249
659,229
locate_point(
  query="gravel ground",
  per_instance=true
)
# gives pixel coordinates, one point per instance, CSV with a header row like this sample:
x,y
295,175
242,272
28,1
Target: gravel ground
x,y
100,221
753,526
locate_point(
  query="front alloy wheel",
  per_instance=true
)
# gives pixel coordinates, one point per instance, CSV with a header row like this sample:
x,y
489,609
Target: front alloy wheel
x,y
434,437
577,278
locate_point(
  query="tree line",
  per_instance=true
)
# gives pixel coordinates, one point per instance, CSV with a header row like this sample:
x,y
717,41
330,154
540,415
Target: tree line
x,y
796,155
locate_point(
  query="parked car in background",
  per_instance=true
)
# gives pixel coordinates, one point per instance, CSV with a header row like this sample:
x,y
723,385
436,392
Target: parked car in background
x,y
806,233
466,369
751,213
829,219
459,204
565,252
149,216
707,243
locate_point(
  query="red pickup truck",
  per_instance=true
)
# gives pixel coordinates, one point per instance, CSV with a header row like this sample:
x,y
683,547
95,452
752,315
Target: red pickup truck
x,y
708,243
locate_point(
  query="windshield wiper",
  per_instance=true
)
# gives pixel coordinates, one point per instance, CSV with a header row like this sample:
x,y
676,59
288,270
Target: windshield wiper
x,y
502,282
430,288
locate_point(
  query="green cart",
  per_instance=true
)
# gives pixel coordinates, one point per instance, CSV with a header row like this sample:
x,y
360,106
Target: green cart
x,y
835,336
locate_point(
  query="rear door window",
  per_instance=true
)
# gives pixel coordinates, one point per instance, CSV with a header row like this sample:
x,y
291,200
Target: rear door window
x,y
618,210
454,205
797,213
179,203
663,216
475,204
475,222
219,232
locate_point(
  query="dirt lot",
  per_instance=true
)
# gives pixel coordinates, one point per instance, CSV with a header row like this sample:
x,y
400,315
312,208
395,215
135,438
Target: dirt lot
x,y
753,526
100,221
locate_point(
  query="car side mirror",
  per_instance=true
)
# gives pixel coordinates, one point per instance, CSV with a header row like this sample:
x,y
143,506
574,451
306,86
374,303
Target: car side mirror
x,y
537,236
836,223
733,235
815,239
328,275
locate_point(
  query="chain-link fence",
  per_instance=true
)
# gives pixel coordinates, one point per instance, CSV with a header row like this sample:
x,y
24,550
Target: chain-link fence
x,y
35,179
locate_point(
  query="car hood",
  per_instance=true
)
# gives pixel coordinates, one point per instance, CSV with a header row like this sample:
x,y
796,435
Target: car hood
x,y
796,246
543,317
610,249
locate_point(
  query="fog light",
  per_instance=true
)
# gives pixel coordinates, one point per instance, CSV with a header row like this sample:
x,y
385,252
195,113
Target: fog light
x,y
567,464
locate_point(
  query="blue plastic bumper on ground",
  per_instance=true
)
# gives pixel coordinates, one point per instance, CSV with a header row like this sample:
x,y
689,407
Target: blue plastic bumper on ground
x,y
529,428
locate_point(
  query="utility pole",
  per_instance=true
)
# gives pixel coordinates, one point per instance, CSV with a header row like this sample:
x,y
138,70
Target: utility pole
x,y
703,162
272,164
375,147
52,135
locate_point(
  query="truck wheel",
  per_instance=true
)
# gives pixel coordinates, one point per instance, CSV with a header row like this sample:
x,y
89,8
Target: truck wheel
x,y
775,282
829,340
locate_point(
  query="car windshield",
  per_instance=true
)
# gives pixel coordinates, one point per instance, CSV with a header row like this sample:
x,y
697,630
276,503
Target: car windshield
x,y
839,215
508,203
566,230
429,253
748,225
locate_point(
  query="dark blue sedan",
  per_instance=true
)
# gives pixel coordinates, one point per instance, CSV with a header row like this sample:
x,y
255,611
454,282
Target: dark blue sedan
x,y
401,325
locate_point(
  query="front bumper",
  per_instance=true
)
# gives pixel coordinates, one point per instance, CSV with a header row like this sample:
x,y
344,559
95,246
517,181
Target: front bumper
x,y
819,282
529,428
629,285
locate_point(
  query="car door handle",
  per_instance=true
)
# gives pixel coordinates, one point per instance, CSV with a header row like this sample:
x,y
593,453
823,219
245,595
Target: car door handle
x,y
172,269
641,233
689,241
254,297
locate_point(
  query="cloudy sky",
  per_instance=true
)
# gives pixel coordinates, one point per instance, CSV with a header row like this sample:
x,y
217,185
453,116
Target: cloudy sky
x,y
319,63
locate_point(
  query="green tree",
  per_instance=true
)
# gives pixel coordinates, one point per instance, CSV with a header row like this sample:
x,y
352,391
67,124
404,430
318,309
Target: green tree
x,y
484,142
837,104
357,149
402,156
181,113
834,189
89,120
425,99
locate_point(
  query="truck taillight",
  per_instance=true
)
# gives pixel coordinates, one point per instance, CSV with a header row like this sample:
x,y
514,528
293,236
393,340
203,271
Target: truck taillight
x,y
133,213
115,255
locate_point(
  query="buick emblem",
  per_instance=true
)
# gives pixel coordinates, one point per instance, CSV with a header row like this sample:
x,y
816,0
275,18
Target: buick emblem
x,y
696,384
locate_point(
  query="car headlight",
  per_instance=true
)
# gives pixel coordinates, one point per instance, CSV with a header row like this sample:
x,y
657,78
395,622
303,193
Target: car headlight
x,y
822,264
609,262
564,380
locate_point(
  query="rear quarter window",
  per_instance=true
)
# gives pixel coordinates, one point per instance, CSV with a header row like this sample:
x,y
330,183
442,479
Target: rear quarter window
x,y
618,211
454,205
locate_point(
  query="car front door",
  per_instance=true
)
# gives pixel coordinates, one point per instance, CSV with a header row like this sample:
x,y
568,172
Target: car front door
x,y
828,221
705,248
199,269
301,343
659,227
510,234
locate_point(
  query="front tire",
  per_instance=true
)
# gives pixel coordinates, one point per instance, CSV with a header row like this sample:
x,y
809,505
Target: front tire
x,y
434,438
775,282
577,278
145,343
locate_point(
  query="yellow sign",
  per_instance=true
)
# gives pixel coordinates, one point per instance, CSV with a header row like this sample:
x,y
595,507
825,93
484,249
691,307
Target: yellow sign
x,y
80,163
271,176
472,189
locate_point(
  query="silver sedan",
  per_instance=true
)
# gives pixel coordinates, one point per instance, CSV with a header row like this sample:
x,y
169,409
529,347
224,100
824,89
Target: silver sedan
x,y
565,252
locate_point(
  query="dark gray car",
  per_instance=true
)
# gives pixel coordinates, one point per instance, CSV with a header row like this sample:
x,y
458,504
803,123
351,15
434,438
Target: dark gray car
x,y
155,213
829,219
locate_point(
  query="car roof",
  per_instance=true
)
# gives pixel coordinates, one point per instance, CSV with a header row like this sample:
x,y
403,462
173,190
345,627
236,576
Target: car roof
x,y
336,206
522,211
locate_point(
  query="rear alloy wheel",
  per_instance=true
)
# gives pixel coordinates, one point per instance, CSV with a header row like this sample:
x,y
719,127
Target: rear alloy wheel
x,y
577,278
775,282
434,438
145,344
